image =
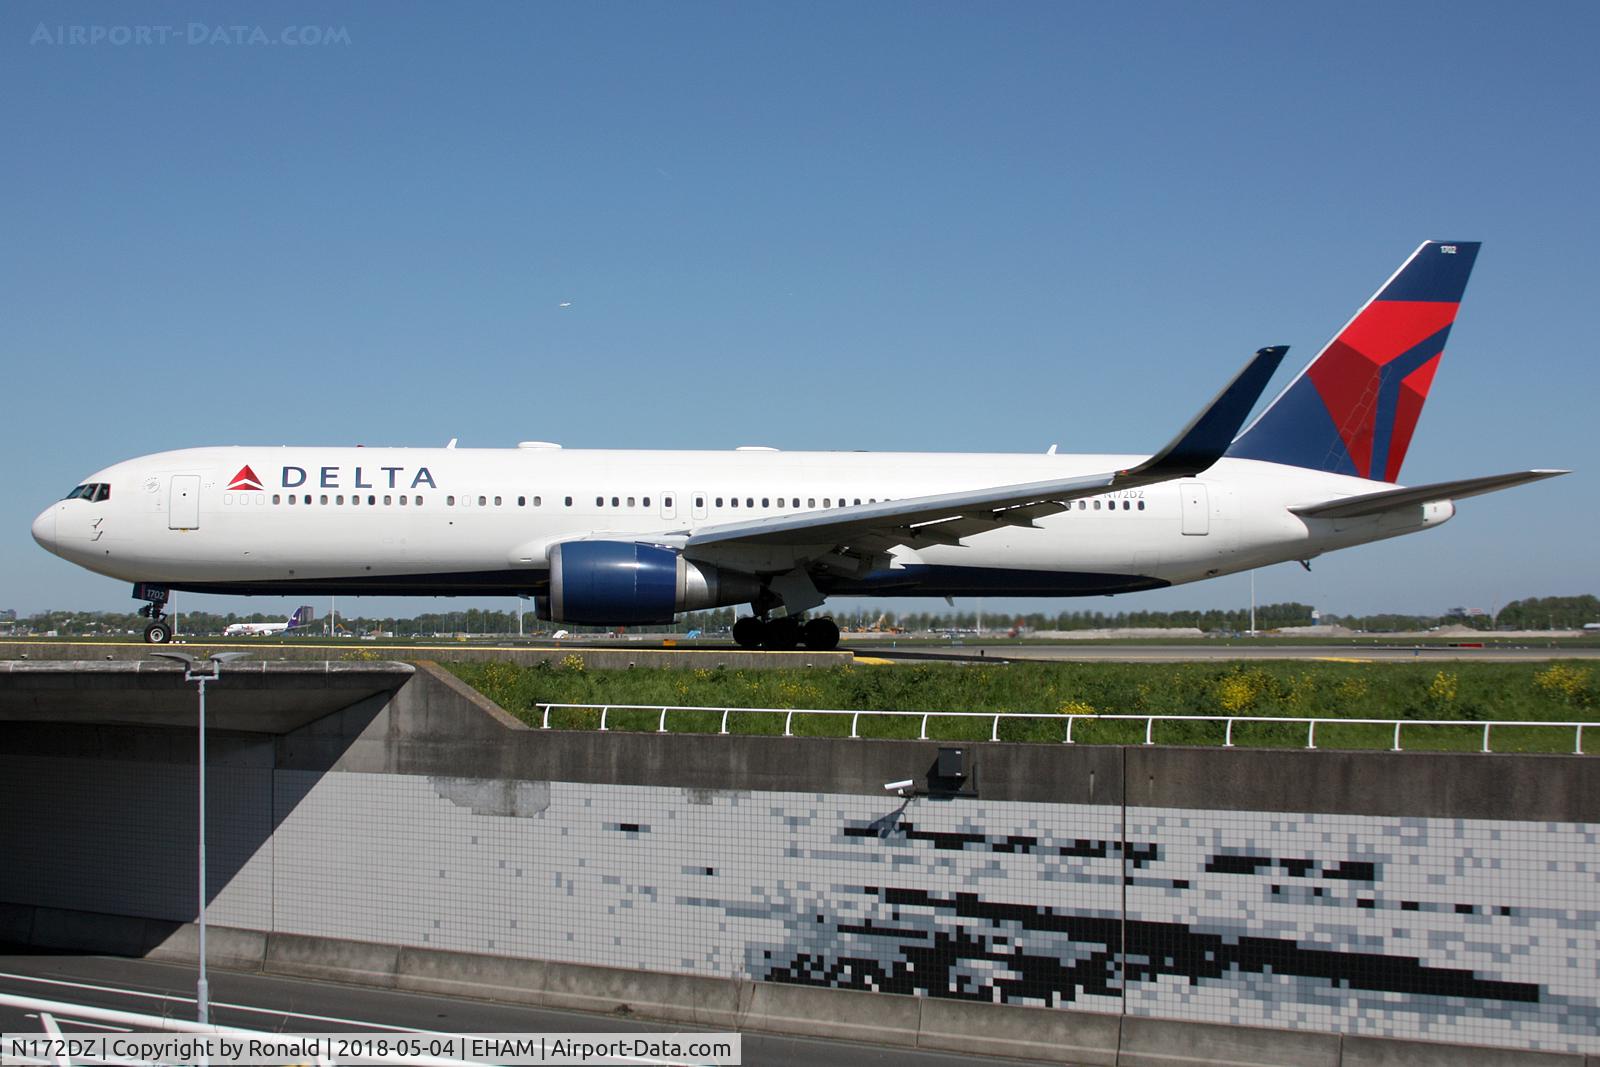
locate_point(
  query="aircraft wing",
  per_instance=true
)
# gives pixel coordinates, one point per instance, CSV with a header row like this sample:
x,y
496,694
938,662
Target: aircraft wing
x,y
1350,507
945,518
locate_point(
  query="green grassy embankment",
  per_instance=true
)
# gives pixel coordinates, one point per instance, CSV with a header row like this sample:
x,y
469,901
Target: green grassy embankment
x,y
1468,692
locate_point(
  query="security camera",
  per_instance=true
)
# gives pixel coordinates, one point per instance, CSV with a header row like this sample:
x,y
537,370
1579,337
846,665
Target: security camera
x,y
895,787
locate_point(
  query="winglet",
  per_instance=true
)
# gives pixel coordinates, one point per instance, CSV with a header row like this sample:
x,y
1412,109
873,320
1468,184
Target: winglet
x,y
1208,435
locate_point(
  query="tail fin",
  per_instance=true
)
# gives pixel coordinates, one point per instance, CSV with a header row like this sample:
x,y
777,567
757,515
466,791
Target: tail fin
x,y
301,616
1354,408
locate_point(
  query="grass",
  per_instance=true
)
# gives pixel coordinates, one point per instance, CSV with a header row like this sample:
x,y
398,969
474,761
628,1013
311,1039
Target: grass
x,y
1466,692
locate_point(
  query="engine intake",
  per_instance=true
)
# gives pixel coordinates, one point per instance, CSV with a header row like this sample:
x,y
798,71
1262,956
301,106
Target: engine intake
x,y
627,583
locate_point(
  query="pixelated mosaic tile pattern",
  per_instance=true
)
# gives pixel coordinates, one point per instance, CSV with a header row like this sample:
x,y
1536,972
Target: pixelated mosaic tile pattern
x,y
1479,932
846,891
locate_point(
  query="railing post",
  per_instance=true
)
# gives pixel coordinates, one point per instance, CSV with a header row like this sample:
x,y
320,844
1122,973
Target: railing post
x,y
545,723
1397,725
1150,730
994,734
604,711
1486,735
1311,733
854,719
787,719
1070,720
1578,748
924,735
724,728
661,727
1227,737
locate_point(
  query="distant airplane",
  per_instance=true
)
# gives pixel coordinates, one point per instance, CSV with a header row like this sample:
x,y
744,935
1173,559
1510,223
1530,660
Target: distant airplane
x,y
301,617
617,538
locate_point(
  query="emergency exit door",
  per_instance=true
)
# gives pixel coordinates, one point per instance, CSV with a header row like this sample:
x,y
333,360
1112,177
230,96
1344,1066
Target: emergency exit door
x,y
1196,508
183,506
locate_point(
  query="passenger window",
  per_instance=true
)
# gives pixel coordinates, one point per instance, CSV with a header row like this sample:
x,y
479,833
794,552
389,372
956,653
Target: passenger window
x,y
538,501
419,501
599,501
811,501
827,501
1126,506
719,501
483,501
858,501
522,501
749,501
388,501
402,500
646,501
1141,505
733,501
324,498
339,499
372,500
795,503
569,501
631,504
1097,505
450,500
275,499
766,502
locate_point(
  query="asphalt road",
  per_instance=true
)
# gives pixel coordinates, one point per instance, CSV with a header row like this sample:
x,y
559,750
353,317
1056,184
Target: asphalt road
x,y
270,1003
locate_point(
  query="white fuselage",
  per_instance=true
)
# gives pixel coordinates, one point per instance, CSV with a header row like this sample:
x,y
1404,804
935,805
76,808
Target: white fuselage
x,y
456,521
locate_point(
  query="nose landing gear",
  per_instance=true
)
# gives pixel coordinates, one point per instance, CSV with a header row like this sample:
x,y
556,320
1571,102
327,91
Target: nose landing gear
x,y
159,632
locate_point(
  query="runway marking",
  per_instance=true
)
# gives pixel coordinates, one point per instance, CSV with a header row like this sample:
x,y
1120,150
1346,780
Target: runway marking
x,y
874,661
1341,659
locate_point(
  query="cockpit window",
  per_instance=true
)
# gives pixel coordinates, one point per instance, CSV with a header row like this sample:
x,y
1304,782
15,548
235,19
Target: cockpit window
x,y
94,492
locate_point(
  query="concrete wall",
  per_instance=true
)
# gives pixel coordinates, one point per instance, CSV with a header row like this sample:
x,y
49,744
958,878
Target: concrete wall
x,y
1320,897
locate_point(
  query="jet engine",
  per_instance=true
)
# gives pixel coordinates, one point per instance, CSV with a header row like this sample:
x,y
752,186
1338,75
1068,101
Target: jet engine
x,y
626,583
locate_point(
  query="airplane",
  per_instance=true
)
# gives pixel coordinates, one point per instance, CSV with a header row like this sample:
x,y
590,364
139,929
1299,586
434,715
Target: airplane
x,y
621,538
301,617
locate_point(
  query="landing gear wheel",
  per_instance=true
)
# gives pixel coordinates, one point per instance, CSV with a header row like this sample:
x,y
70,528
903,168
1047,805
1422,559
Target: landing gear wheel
x,y
821,635
748,632
157,633
781,634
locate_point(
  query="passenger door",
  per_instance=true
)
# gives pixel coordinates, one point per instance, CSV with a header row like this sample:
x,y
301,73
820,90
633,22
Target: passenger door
x,y
183,504
1196,508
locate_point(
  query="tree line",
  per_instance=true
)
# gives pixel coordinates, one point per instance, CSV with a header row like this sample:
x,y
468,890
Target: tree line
x,y
1534,613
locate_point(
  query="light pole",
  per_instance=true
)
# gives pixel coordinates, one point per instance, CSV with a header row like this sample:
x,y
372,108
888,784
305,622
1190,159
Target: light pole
x,y
202,989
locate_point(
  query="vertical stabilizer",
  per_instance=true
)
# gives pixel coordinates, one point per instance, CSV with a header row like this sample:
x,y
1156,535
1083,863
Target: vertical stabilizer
x,y
1354,408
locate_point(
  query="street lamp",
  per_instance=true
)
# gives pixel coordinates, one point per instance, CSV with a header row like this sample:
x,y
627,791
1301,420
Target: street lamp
x,y
202,989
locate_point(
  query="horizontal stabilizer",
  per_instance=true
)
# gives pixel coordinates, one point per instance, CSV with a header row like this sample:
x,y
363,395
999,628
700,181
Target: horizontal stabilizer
x,y
1372,503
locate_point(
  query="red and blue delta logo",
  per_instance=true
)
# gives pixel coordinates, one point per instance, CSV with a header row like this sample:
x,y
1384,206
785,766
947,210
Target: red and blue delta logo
x,y
245,480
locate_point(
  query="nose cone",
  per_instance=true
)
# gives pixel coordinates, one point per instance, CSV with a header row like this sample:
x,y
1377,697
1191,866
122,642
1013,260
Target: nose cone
x,y
44,528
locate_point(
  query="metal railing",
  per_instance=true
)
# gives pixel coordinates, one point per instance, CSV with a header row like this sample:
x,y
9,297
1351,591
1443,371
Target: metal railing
x,y
51,1013
1071,719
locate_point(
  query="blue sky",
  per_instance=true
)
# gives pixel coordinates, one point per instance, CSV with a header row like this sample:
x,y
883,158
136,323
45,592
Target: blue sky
x,y
885,226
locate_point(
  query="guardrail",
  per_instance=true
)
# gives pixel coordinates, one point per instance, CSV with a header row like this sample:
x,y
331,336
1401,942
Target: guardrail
x,y
1071,719
51,1013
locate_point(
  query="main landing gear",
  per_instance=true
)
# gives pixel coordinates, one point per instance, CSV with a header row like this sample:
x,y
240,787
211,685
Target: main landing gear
x,y
159,632
818,635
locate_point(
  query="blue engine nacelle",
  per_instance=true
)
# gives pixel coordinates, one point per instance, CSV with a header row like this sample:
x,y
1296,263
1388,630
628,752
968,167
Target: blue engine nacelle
x,y
626,583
